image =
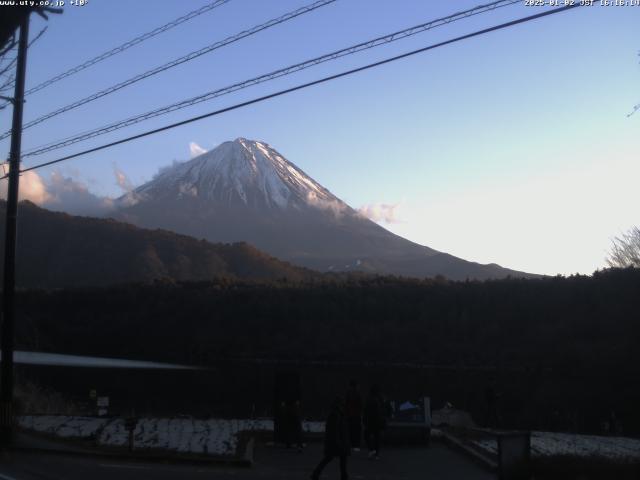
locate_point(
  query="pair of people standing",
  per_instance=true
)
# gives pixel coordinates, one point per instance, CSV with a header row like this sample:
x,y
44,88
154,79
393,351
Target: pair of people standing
x,y
343,428
354,407
293,424
370,414
374,421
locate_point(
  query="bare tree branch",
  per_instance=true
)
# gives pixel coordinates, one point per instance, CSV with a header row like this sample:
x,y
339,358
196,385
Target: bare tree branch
x,y
9,44
8,66
8,47
8,84
625,250
37,37
636,107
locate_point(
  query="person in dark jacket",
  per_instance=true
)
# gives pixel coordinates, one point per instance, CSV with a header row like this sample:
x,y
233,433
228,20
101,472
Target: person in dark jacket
x,y
294,424
374,421
336,440
492,418
354,414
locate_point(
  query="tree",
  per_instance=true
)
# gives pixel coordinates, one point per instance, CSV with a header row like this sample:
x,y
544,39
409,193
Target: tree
x,y
625,250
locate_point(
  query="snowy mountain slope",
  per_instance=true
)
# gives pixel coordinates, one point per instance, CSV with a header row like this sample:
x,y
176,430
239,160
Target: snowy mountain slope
x,y
246,172
245,190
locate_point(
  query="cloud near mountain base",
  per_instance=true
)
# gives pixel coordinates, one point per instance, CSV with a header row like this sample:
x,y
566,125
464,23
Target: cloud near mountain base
x,y
32,188
73,196
381,212
334,206
66,194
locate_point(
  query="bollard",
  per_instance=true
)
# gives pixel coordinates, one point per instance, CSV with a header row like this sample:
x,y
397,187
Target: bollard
x,y
514,455
130,424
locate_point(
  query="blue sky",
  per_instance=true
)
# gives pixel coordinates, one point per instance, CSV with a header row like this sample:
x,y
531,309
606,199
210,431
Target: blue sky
x,y
513,148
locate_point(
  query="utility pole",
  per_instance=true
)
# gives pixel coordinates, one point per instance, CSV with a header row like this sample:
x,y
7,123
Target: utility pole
x,y
9,285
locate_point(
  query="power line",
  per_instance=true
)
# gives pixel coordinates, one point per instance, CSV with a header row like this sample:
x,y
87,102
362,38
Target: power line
x,y
11,82
268,76
178,61
9,66
306,85
9,46
128,44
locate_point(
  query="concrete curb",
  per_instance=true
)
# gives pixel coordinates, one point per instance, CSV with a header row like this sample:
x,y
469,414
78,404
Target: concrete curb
x,y
146,457
247,456
244,459
478,457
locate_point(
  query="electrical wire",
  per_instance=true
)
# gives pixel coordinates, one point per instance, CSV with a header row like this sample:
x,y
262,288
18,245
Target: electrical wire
x,y
306,85
11,83
178,61
131,43
267,77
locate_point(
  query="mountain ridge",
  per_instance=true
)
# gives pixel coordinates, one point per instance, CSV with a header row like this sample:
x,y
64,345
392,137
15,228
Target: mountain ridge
x,y
245,190
57,250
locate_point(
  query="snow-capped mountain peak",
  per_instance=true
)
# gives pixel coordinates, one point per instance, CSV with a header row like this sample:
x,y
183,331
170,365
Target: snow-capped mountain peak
x,y
245,171
245,191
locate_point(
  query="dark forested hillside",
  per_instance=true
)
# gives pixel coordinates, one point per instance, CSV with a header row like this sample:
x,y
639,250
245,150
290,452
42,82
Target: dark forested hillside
x,y
60,250
559,344
569,323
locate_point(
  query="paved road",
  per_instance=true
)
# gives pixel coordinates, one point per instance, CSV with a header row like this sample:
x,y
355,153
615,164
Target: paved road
x,y
434,463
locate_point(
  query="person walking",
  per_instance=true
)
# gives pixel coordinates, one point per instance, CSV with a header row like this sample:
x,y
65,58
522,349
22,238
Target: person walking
x,y
336,440
374,421
354,414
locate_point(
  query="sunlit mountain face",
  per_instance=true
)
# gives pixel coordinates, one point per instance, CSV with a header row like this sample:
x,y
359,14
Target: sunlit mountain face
x,y
245,190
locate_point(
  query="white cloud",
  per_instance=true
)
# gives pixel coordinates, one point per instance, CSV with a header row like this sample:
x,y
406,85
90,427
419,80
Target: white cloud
x,y
196,149
70,195
130,197
380,212
174,163
335,206
122,180
32,188
73,196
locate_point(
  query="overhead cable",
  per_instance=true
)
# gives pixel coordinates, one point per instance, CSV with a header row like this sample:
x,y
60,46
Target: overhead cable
x,y
306,85
178,61
125,46
267,77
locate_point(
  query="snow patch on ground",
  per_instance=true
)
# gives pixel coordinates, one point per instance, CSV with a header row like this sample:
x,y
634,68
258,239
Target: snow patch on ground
x,y
452,417
179,435
551,444
63,426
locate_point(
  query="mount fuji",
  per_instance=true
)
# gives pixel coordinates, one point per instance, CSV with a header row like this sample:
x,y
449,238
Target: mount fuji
x,y
245,190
